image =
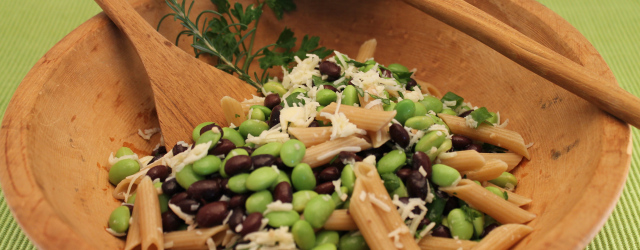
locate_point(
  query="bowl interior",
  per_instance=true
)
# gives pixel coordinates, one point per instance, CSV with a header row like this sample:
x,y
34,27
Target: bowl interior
x,y
84,103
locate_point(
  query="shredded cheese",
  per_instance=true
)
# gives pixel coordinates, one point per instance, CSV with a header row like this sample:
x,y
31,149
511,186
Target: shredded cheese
x,y
147,133
379,203
278,206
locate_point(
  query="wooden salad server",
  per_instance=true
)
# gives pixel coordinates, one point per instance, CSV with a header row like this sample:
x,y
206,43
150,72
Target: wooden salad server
x,y
537,58
186,90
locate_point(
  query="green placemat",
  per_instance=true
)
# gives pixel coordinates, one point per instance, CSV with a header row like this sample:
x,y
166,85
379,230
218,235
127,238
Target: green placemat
x,y
29,28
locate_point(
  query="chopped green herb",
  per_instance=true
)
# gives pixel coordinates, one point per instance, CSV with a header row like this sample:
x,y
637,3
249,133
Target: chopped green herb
x,y
237,115
450,96
480,115
506,195
384,100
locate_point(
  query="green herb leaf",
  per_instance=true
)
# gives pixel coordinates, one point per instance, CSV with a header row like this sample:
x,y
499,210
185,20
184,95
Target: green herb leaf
x,y
281,6
384,101
360,91
355,63
506,195
480,115
450,96
222,5
294,98
391,181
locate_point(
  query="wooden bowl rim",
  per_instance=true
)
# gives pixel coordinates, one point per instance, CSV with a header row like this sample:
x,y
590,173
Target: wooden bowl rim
x,y
15,168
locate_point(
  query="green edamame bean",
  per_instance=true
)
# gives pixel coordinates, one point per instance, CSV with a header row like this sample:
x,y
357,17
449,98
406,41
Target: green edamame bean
x,y
238,183
420,122
353,241
257,114
405,110
124,151
258,201
196,131
396,67
366,67
420,109
122,169
272,148
265,110
449,112
282,177
163,199
325,246
348,178
497,191
336,198
445,222
431,141
292,152
318,210
477,221
261,178
391,162
389,107
233,136
282,218
505,180
132,198
301,198
459,225
274,87
302,177
350,96
438,120
326,97
394,185
207,165
493,119
432,103
252,127
444,147
299,90
326,236
346,204
207,137
232,153
186,176
319,109
119,219
303,235
443,175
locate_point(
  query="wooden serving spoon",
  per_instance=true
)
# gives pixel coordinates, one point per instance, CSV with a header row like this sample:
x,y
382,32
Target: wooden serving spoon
x,y
186,90
539,59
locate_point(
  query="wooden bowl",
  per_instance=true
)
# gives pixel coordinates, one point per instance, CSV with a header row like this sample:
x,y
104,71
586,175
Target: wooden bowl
x,y
89,95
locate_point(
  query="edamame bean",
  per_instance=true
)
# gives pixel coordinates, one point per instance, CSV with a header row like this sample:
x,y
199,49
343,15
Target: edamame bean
x,y
252,127
346,204
292,152
326,97
337,200
124,151
449,112
257,114
302,177
326,236
261,178
396,67
444,147
282,177
275,87
233,136
389,107
459,225
301,198
430,142
122,169
303,234
238,183
265,110
405,110
505,180
282,218
132,198
348,178
353,241
394,185
207,165
477,221
258,201
420,122
196,131
432,103
350,96
420,109
163,199
231,154
272,148
325,246
318,210
497,191
186,177
391,162
444,175
209,136
119,219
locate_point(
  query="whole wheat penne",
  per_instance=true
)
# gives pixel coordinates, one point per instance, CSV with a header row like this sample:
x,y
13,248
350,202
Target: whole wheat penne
x,y
194,238
511,159
428,88
133,235
150,220
340,220
367,49
500,137
121,189
504,237
482,199
380,137
370,224
513,197
311,136
233,112
466,160
440,243
491,170
366,119
322,153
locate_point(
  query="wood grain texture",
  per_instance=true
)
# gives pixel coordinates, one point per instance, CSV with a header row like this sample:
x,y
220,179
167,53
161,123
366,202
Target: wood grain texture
x,y
89,95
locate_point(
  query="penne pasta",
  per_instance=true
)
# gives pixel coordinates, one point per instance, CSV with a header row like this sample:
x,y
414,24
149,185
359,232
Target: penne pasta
x,y
500,137
195,239
233,112
440,243
513,197
463,161
124,185
149,216
482,199
428,88
340,220
367,119
491,170
511,159
133,235
504,237
367,49
311,136
380,137
322,153
370,224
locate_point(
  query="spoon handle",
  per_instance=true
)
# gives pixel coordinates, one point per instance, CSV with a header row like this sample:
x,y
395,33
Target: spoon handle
x,y
539,59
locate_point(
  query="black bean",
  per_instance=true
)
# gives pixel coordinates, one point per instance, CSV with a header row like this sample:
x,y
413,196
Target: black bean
x,y
237,164
425,221
236,218
251,224
170,221
488,230
159,172
330,69
405,200
417,185
272,100
420,159
178,148
224,187
377,152
280,164
411,84
441,231
325,188
283,192
263,160
212,214
210,127
475,147
452,203
314,124
465,114
205,191
188,206
460,142
171,187
238,201
386,73
346,156
223,147
329,174
403,173
274,119
248,149
441,194
399,135
329,87
161,150
178,197
155,158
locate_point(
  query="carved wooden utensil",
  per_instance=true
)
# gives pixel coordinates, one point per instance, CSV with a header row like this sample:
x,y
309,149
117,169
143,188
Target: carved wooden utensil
x,y
537,58
186,90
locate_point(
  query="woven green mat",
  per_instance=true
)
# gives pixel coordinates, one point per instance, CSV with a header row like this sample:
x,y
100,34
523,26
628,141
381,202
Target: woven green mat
x,y
29,28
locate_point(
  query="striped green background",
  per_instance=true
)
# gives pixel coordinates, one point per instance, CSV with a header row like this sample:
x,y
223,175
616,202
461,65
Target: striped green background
x,y
29,28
